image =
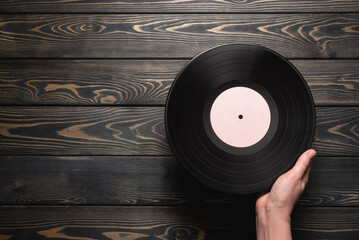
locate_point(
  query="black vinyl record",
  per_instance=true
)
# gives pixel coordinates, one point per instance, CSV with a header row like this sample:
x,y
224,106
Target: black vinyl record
x,y
239,163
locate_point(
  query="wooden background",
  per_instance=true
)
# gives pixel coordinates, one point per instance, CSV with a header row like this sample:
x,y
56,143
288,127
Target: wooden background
x,y
84,153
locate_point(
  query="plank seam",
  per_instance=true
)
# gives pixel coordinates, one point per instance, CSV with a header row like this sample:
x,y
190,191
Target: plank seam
x,y
185,13
152,58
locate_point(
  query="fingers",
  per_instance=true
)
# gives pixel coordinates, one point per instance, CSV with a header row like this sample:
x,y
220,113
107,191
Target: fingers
x,y
303,163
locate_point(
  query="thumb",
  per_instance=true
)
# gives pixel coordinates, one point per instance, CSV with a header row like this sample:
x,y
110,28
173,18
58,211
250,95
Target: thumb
x,y
303,163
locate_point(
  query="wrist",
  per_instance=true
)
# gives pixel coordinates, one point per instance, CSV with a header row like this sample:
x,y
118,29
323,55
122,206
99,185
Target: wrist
x,y
272,224
271,217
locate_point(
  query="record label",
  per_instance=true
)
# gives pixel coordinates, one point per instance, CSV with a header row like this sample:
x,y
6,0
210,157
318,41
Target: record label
x,y
240,117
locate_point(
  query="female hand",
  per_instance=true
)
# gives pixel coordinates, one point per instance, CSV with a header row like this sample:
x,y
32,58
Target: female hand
x,y
273,208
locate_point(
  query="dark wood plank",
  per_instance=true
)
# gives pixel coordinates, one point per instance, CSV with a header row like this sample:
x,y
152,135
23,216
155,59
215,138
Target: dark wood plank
x,y
201,222
337,131
83,130
113,180
86,82
331,82
176,35
135,131
107,82
332,182
260,6
325,223
124,222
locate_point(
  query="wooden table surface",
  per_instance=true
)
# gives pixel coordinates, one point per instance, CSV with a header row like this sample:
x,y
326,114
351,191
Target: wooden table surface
x,y
83,147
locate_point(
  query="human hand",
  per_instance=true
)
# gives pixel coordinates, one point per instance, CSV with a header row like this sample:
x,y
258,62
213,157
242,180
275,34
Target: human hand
x,y
273,208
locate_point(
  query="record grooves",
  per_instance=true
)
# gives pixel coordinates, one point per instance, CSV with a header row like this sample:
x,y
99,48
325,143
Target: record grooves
x,y
237,116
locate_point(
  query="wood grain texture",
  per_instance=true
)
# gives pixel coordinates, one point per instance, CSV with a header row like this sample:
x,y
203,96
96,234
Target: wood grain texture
x,y
86,82
325,223
258,6
135,131
200,222
113,180
337,131
331,82
114,82
176,35
83,130
124,222
130,57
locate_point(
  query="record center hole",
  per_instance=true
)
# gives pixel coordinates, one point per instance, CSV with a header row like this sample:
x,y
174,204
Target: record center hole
x,y
240,116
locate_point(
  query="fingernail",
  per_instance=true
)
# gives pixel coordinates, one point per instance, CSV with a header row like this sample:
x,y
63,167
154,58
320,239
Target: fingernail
x,y
311,154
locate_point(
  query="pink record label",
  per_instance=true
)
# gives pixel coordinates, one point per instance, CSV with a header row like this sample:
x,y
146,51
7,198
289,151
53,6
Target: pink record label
x,y
240,117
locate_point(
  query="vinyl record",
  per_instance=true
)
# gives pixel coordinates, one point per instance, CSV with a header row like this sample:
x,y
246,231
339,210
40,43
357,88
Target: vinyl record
x,y
238,116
